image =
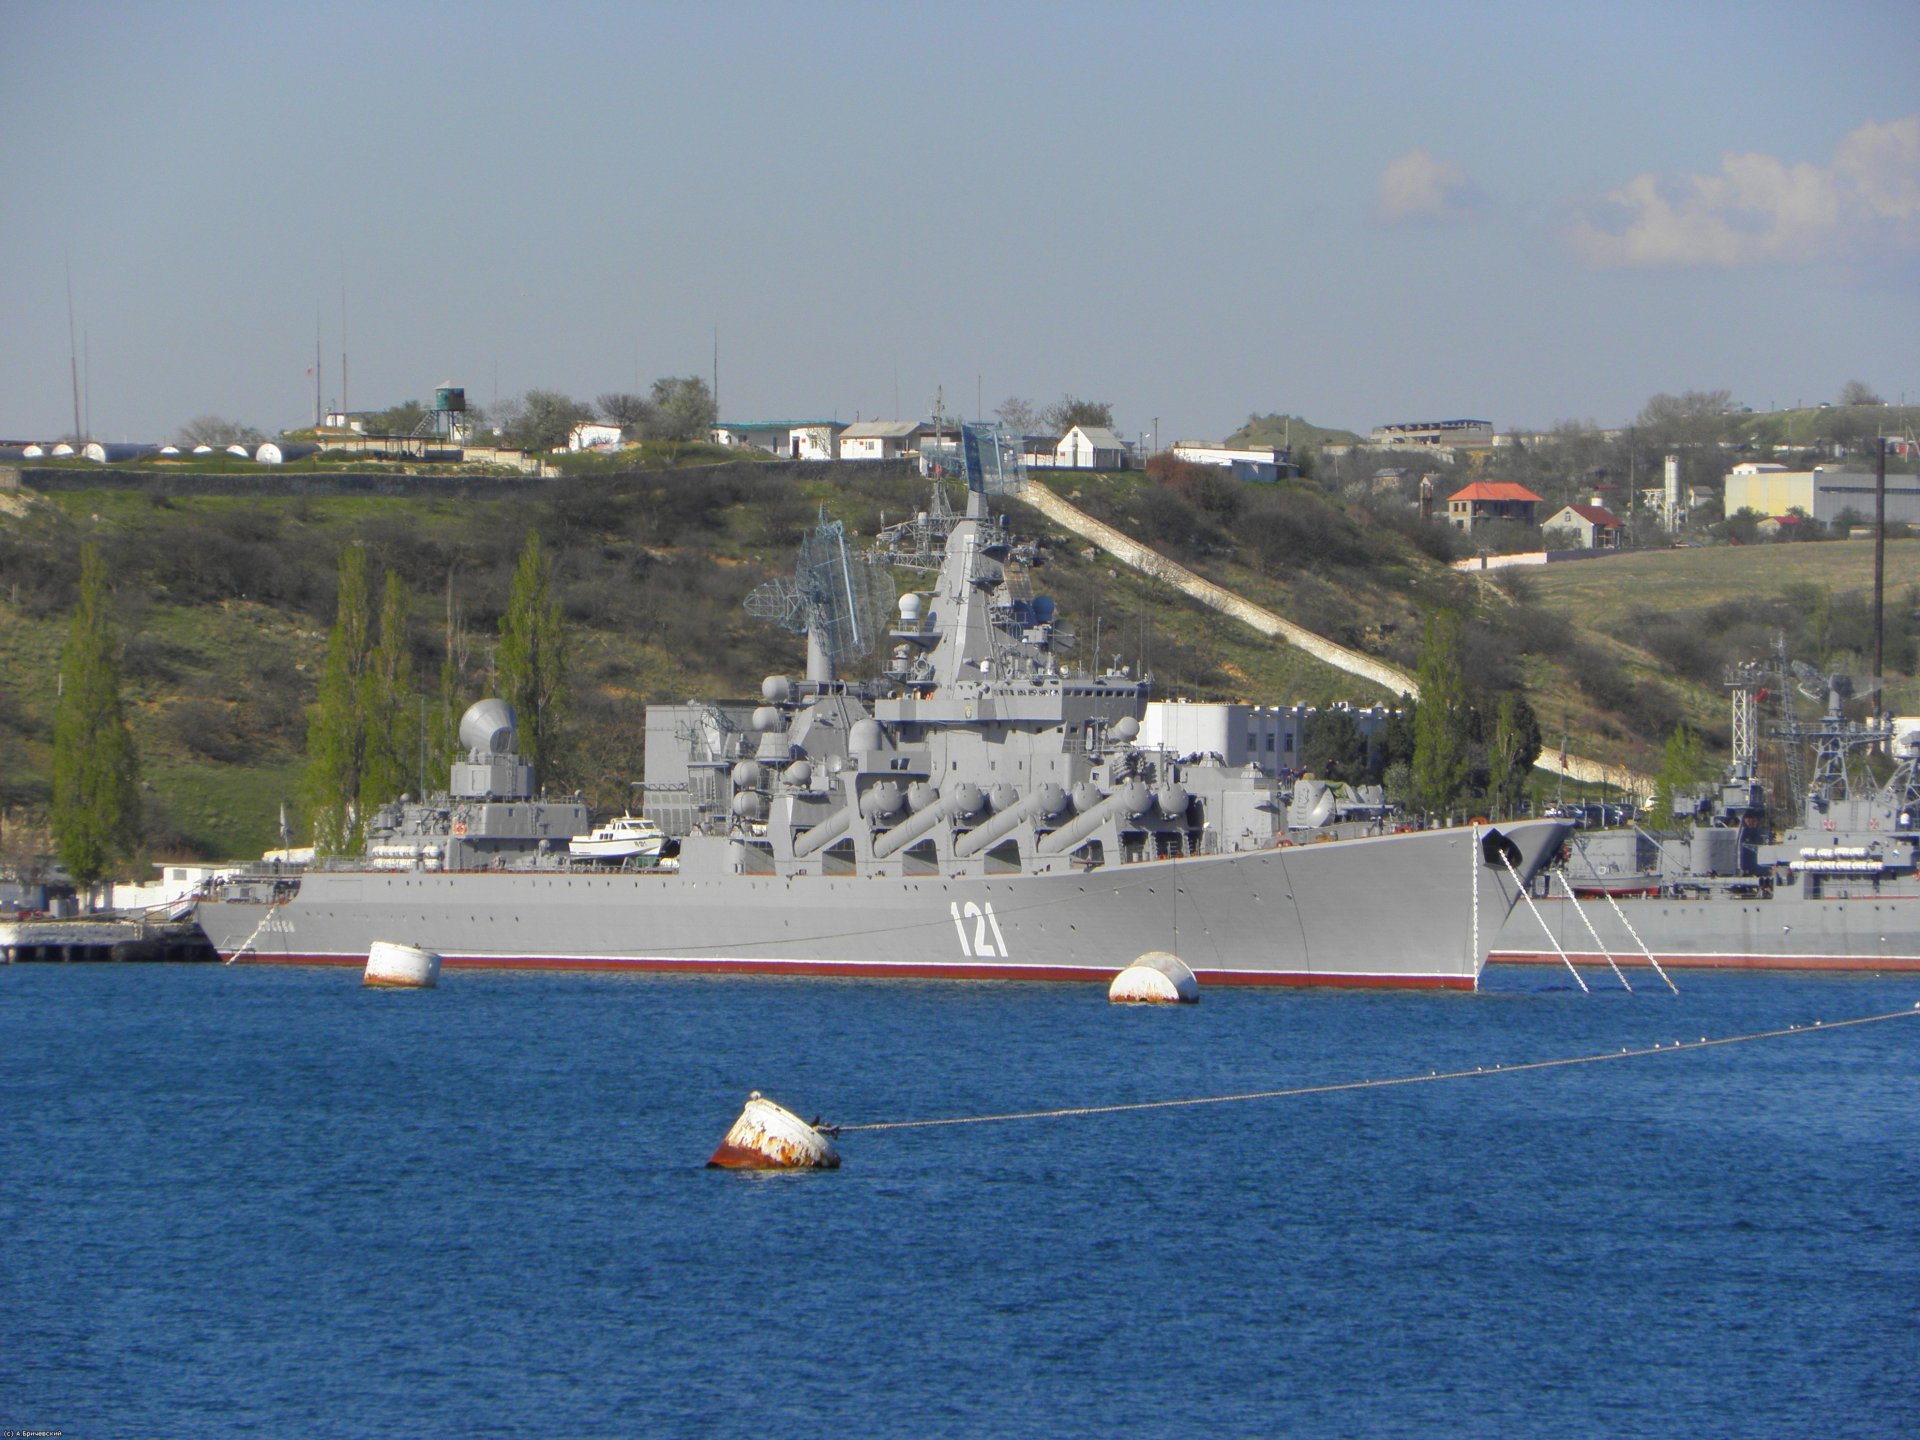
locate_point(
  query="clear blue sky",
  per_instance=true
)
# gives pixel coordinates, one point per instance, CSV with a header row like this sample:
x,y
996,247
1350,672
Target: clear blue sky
x,y
1360,214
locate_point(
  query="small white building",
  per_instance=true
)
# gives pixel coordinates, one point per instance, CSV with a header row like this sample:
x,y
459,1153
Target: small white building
x,y
1260,462
1091,447
591,433
882,439
792,439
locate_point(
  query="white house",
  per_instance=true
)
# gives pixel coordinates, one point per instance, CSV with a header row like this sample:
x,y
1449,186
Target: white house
x,y
1090,447
794,439
881,439
589,433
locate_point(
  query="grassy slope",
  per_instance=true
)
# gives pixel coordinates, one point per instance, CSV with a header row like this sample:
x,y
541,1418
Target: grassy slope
x,y
226,603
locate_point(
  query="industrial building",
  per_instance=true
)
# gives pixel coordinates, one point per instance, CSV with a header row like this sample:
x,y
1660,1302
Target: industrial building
x,y
1265,735
1821,494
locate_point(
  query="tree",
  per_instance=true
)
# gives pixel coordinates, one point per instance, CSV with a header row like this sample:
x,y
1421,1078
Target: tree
x,y
681,408
1858,392
218,432
540,419
1019,415
336,733
96,770
1440,722
443,746
629,412
401,419
1682,767
1332,747
1070,411
532,659
390,704
1511,751
1691,417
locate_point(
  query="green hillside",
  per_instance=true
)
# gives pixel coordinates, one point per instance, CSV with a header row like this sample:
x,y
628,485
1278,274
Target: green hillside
x,y
225,600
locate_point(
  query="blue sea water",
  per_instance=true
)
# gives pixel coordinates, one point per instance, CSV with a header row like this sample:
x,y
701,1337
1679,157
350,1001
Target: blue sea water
x,y
253,1201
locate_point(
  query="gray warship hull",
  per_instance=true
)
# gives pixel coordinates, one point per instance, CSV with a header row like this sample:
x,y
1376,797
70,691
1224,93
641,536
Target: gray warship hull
x,y
1415,909
1779,932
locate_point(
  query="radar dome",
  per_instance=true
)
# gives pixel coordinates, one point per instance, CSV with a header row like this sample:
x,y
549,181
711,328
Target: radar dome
x,y
488,726
1126,729
776,689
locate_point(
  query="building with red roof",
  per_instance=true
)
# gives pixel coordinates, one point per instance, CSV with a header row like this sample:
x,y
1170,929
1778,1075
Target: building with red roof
x,y
1486,500
1598,527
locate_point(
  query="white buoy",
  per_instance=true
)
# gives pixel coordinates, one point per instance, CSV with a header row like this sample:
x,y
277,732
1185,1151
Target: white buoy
x,y
1156,978
770,1137
401,967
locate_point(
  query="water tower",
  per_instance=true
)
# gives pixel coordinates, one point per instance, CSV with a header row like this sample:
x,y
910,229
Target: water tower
x,y
447,419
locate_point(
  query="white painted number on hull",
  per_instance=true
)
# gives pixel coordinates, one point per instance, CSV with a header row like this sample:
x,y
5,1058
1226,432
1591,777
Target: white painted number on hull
x,y
987,940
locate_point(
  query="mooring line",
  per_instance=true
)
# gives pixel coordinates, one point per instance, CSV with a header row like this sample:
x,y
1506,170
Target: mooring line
x,y
1703,1043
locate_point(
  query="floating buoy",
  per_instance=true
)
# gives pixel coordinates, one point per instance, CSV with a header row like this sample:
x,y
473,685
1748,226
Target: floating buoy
x,y
771,1137
394,966
1156,978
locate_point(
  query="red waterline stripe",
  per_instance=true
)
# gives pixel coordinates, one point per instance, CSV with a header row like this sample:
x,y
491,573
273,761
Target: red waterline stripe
x,y
883,971
1718,962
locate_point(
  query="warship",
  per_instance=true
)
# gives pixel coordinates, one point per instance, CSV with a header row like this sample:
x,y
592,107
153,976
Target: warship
x,y
982,808
1835,889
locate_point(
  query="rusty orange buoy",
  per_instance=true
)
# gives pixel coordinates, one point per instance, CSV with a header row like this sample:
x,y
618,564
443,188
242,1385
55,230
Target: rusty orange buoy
x,y
771,1137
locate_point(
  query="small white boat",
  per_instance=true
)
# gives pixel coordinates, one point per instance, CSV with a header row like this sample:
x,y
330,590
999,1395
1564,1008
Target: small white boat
x,y
626,837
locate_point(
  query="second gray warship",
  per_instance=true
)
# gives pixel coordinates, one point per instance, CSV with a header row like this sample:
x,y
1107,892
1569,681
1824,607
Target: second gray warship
x,y
1836,886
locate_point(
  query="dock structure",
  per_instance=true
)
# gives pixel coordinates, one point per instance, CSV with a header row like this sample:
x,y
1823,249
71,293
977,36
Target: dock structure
x,y
42,941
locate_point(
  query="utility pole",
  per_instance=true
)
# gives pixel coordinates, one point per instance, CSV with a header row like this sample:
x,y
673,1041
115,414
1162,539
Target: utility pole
x,y
73,354
1879,556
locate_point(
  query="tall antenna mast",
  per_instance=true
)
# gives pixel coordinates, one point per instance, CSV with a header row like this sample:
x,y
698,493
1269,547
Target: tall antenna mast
x,y
73,353
716,373
344,406
317,414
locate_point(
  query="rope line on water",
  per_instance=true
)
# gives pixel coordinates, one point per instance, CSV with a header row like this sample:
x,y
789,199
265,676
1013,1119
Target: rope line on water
x,y
1818,1026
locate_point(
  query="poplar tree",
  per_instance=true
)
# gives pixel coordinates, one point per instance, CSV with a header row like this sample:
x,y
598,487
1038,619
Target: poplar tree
x,y
1440,721
390,704
444,740
1683,766
96,770
532,659
1511,753
337,733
